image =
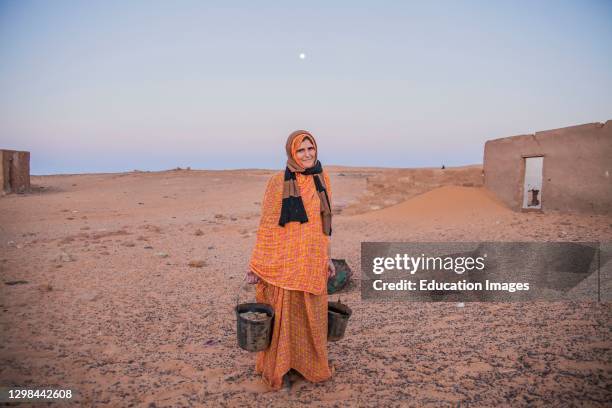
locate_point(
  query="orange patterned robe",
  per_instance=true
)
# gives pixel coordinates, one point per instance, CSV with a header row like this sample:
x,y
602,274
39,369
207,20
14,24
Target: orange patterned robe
x,y
291,262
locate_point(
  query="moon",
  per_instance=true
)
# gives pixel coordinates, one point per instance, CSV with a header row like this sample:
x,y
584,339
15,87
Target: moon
x,y
302,56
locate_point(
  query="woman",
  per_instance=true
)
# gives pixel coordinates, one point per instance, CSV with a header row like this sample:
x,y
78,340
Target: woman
x,y
291,264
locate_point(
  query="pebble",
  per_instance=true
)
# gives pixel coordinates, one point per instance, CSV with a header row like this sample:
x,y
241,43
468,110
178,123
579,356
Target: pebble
x,y
65,257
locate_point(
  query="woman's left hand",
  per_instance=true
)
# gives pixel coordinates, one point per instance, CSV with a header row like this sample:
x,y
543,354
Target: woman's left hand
x,y
331,269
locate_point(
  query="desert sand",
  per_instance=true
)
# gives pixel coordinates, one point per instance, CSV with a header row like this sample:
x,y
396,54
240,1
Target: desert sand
x,y
122,287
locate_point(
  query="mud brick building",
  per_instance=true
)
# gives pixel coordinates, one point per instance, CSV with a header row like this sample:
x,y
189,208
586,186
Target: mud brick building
x,y
15,171
567,169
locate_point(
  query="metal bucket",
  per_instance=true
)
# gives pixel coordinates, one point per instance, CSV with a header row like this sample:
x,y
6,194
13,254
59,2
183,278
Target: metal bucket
x,y
254,335
338,315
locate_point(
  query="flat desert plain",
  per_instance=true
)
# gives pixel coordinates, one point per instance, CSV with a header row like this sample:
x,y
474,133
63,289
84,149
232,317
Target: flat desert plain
x,y
122,287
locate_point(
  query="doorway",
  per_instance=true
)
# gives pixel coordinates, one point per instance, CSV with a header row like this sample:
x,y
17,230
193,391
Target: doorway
x,y
532,186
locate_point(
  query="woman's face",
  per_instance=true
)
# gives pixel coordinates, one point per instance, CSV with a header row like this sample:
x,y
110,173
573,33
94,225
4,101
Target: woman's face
x,y
306,154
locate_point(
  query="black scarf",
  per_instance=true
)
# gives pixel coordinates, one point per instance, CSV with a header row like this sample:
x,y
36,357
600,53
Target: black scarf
x,y
293,206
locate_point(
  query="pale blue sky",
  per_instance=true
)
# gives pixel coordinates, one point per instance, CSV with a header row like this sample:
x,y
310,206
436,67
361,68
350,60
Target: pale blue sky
x,y
90,86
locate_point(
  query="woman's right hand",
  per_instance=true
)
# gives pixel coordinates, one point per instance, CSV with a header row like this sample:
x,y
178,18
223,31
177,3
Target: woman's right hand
x,y
251,278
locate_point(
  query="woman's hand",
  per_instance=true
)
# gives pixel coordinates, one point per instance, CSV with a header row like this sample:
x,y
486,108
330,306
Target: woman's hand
x,y
331,269
251,278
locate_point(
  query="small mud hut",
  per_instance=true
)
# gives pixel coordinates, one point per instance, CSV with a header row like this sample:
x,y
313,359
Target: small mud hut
x,y
567,169
15,171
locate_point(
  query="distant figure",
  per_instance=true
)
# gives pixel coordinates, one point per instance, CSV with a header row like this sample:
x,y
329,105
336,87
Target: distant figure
x,y
291,264
443,167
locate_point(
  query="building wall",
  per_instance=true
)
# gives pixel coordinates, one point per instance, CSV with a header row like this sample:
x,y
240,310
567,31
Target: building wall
x,y
6,160
577,172
15,171
3,173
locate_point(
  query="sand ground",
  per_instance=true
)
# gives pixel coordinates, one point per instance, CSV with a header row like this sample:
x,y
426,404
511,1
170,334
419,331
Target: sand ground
x,y
131,279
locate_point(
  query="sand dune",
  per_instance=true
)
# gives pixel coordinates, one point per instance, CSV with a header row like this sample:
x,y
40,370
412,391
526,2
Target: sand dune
x,y
448,203
392,186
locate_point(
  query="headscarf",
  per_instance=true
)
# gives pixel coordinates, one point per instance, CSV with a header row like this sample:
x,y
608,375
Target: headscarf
x,y
293,206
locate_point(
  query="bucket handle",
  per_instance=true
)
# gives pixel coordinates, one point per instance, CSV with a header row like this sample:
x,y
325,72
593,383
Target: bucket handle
x,y
242,286
244,283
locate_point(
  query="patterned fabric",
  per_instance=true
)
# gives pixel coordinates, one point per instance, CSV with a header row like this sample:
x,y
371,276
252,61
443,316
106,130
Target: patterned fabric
x,y
292,264
292,257
299,336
